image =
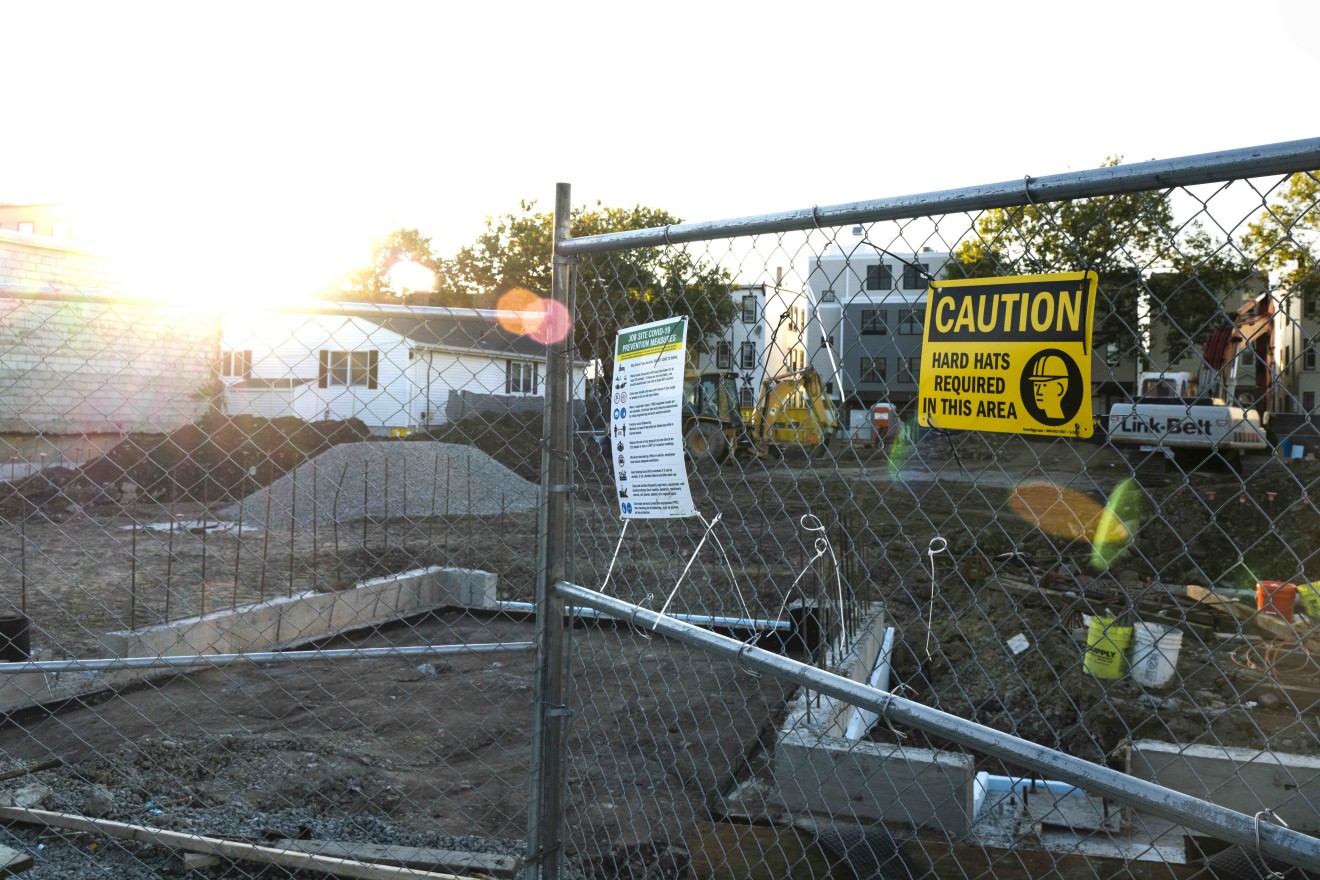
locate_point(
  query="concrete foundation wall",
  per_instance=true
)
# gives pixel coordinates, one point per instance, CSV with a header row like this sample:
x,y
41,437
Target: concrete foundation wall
x,y
281,623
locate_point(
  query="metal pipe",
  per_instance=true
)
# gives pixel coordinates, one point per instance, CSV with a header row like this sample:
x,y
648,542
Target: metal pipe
x,y
1228,825
1269,159
185,661
547,779
708,620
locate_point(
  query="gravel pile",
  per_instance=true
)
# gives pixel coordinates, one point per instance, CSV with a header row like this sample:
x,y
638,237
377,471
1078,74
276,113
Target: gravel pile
x,y
381,480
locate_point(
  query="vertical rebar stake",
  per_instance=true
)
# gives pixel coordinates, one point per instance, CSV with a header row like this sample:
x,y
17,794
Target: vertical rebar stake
x,y
293,522
316,511
132,575
169,564
265,549
238,551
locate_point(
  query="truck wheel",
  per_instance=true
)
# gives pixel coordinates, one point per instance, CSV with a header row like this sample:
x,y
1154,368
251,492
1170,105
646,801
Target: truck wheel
x,y
706,442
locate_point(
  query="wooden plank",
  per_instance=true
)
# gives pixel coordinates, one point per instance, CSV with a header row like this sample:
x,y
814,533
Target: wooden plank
x,y
728,851
26,769
12,861
1246,780
328,866
407,856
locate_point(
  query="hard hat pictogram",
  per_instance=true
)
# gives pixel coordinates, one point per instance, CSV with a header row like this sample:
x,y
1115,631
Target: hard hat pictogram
x,y
1049,368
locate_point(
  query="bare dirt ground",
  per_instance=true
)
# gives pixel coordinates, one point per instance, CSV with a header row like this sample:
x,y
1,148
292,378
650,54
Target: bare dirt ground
x,y
429,751
657,730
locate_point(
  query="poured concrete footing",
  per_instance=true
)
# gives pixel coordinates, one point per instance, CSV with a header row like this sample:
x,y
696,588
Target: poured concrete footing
x,y
281,623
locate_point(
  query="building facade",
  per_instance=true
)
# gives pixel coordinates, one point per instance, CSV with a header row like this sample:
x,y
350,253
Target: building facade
x,y
766,338
864,329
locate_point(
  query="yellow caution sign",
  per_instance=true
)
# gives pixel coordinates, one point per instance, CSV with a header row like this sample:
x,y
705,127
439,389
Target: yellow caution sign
x,y
1009,354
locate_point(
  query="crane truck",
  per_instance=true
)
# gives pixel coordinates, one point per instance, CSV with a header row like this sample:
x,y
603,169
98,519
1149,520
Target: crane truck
x,y
1174,413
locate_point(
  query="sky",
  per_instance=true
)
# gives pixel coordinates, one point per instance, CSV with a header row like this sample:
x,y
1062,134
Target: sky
x,y
262,145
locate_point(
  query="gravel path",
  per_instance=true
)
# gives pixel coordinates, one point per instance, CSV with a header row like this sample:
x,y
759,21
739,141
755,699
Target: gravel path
x,y
353,481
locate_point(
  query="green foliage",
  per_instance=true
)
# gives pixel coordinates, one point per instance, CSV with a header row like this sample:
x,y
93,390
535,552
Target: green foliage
x,y
1283,238
372,283
614,290
1136,248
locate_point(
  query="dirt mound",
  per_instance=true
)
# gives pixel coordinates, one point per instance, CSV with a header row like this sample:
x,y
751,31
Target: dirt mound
x,y
512,439
217,458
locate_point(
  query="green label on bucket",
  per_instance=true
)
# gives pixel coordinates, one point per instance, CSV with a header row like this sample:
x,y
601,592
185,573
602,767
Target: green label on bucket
x,y
1106,648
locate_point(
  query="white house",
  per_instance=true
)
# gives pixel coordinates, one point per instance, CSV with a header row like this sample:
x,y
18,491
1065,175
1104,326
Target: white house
x,y
392,371
766,338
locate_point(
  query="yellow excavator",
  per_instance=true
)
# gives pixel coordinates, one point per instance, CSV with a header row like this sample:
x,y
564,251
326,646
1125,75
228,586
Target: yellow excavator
x,y
792,411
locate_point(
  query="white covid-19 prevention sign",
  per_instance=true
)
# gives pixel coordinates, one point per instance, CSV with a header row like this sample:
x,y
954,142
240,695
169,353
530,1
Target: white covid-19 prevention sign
x,y
646,421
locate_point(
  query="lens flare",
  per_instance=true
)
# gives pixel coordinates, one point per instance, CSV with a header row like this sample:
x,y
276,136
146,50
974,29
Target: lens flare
x,y
1118,522
520,311
554,325
901,449
1064,513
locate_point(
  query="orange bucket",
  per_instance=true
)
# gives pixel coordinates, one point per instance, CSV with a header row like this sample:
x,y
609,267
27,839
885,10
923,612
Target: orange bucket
x,y
1276,598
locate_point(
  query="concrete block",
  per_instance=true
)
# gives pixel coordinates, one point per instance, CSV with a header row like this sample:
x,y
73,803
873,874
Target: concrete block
x,y
464,587
1078,811
1246,780
874,782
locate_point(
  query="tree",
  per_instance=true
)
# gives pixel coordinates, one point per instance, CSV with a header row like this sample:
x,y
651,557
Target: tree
x,y
1178,276
372,283
613,290
1283,238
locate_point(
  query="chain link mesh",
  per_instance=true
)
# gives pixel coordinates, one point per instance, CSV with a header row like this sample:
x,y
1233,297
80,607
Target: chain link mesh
x,y
257,496
247,494
993,561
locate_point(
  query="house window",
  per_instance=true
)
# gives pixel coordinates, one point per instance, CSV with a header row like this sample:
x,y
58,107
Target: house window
x,y
236,364
875,321
827,342
827,296
347,368
879,277
520,377
746,397
873,369
909,322
749,310
26,227
723,355
914,276
747,356
911,369
1308,359
1308,401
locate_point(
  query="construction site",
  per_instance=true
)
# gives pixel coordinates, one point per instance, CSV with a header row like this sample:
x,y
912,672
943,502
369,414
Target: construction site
x,y
878,646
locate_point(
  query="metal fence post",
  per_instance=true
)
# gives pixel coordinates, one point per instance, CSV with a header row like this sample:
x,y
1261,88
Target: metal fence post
x,y
545,819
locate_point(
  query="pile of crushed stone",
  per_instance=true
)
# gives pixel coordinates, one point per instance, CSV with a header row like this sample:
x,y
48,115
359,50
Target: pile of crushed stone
x,y
382,480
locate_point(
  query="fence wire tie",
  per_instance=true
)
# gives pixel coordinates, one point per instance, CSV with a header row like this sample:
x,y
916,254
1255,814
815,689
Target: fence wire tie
x,y
610,570
1026,189
811,523
936,546
702,543
1274,817
815,217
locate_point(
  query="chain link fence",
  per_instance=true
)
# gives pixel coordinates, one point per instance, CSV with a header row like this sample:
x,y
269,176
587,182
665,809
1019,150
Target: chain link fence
x,y
345,590
989,654
267,582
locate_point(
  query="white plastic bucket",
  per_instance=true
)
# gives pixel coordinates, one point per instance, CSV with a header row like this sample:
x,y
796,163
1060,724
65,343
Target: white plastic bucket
x,y
1154,653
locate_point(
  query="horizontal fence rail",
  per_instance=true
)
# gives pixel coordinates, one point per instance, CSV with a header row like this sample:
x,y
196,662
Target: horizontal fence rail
x,y
1269,159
